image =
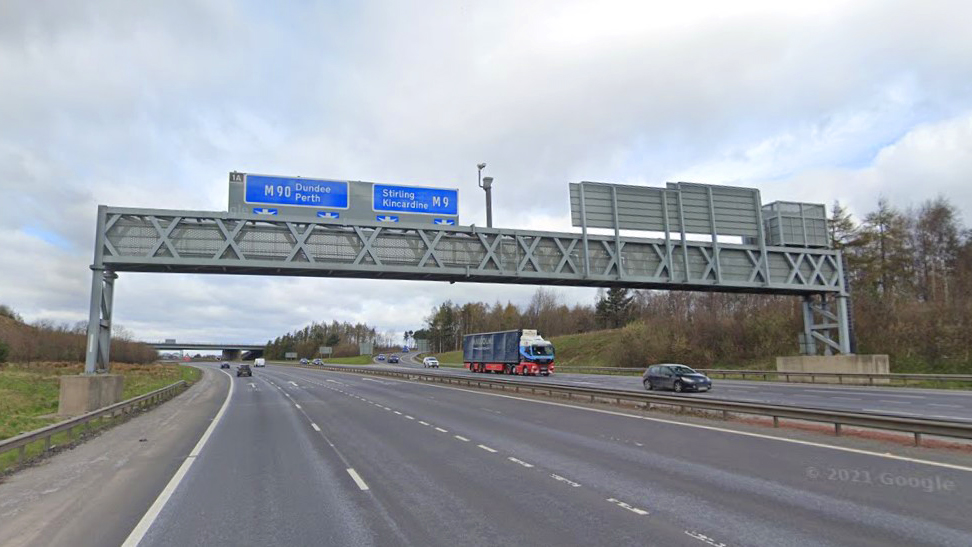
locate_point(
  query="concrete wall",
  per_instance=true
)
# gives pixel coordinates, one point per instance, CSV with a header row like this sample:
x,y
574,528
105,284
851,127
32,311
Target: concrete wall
x,y
858,364
80,394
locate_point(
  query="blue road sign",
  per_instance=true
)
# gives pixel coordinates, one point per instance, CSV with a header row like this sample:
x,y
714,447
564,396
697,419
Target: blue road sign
x,y
264,211
387,218
296,191
415,199
444,221
328,214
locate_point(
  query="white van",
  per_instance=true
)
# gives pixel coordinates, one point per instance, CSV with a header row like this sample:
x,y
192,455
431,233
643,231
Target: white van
x,y
260,362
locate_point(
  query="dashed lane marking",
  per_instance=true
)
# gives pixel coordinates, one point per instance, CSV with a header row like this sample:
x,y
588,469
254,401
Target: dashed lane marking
x,y
318,429
397,412
521,462
357,479
442,430
423,423
564,480
631,508
296,405
486,448
704,539
461,438
409,417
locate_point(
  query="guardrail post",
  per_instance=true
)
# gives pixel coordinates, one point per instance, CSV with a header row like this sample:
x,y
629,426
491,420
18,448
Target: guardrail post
x,y
776,421
837,429
917,439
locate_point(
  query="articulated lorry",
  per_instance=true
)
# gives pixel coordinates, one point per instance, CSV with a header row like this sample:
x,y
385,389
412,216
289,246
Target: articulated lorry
x,y
509,352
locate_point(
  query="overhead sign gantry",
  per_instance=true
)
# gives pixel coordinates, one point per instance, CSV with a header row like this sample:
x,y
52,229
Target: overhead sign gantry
x,y
685,246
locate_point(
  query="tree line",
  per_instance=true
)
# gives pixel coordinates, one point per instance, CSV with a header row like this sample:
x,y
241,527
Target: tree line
x,y
910,280
343,338
48,341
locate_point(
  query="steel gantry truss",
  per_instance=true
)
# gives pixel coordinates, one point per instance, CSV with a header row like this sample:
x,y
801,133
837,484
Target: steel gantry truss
x,y
148,240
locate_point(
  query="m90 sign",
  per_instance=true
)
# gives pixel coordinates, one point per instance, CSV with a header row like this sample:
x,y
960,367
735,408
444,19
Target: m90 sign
x,y
264,189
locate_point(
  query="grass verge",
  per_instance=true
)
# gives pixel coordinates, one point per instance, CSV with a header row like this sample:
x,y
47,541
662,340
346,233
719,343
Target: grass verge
x,y
29,397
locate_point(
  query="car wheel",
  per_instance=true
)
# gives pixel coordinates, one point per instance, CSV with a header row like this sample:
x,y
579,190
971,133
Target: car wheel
x,y
648,385
678,386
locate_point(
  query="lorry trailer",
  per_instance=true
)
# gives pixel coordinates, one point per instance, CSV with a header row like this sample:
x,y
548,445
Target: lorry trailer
x,y
520,351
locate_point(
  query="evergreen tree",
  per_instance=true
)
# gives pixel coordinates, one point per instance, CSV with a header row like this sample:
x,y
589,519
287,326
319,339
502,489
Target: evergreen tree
x,y
614,309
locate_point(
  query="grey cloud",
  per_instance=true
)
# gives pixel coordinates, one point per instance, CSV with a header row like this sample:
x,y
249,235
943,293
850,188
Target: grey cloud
x,y
151,105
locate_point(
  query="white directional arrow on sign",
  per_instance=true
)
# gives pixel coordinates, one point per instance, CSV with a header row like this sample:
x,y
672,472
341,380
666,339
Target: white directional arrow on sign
x,y
328,214
264,211
444,221
387,218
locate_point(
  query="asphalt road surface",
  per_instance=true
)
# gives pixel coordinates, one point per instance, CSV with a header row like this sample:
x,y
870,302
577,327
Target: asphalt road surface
x,y
926,403
305,457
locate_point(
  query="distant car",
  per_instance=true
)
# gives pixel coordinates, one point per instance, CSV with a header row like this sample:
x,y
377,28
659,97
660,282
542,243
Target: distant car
x,y
430,362
318,361
260,362
224,364
381,356
393,359
243,370
678,378
304,361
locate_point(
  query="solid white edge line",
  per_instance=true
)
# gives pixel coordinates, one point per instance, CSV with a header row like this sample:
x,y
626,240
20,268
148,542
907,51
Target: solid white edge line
x,y
316,428
143,526
706,427
357,479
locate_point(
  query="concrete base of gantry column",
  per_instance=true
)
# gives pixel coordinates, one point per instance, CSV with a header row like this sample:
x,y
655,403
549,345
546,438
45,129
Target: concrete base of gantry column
x,y
823,364
84,393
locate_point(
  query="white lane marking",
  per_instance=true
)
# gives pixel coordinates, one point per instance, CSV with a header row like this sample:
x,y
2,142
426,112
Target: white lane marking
x,y
486,448
899,402
423,423
293,384
635,510
357,478
521,462
397,412
251,384
148,519
442,430
638,444
333,382
461,438
704,539
296,405
373,380
946,406
316,428
882,455
566,480
409,417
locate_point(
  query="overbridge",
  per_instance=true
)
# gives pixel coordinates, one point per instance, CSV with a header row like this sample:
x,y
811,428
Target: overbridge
x,y
230,351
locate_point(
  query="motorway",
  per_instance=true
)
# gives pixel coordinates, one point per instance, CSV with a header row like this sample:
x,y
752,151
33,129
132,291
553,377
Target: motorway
x,y
309,457
897,401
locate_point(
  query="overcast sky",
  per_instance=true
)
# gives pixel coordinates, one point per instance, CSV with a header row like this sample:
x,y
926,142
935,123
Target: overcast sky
x,y
151,104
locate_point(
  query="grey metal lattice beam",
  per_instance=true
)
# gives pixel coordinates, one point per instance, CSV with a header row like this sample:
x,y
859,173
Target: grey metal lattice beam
x,y
212,242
